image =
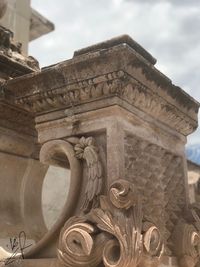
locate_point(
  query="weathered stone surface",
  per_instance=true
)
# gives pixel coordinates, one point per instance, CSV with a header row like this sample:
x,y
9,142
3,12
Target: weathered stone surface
x,y
117,74
124,39
12,62
120,126
12,65
158,175
20,168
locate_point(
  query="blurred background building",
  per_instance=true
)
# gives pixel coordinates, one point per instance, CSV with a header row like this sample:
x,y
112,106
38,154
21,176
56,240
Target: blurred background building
x,y
25,22
193,155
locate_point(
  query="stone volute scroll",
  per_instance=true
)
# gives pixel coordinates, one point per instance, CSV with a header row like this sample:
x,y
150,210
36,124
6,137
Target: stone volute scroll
x,y
71,153
113,233
120,125
50,154
187,239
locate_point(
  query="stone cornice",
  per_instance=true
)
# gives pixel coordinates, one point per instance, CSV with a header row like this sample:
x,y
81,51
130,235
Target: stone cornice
x,y
123,39
117,70
113,84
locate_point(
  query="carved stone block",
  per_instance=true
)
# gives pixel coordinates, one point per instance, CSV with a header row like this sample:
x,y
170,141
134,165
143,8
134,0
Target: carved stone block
x,y
120,126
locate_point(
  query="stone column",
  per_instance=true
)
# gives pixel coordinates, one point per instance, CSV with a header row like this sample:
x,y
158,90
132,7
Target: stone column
x,y
120,125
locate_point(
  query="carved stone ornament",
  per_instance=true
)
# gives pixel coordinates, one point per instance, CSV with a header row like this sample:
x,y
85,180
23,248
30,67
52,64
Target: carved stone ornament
x,y
131,81
115,233
119,84
85,149
187,241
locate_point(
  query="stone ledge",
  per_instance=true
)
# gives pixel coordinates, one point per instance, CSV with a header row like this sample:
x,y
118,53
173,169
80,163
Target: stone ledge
x,y
123,39
94,74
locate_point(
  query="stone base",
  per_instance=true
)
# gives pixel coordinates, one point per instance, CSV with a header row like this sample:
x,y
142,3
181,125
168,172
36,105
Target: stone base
x,y
53,262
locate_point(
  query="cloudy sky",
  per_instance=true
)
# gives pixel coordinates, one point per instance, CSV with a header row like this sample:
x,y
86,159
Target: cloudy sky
x,y
168,29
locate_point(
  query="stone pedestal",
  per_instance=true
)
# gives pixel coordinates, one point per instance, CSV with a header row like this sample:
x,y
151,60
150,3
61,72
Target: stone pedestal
x,y
120,126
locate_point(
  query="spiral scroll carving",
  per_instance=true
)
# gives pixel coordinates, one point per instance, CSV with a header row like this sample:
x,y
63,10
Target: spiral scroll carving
x,y
187,244
114,234
152,241
122,194
79,245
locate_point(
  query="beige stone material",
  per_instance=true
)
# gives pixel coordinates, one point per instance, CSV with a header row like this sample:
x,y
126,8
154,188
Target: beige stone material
x,y
26,23
3,7
39,25
120,126
17,19
116,75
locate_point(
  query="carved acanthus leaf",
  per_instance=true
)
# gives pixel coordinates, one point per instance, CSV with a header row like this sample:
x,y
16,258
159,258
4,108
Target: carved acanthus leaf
x,y
125,226
113,233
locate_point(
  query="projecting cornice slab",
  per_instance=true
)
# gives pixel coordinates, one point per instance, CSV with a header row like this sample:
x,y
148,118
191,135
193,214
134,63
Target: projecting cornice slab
x,y
119,68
